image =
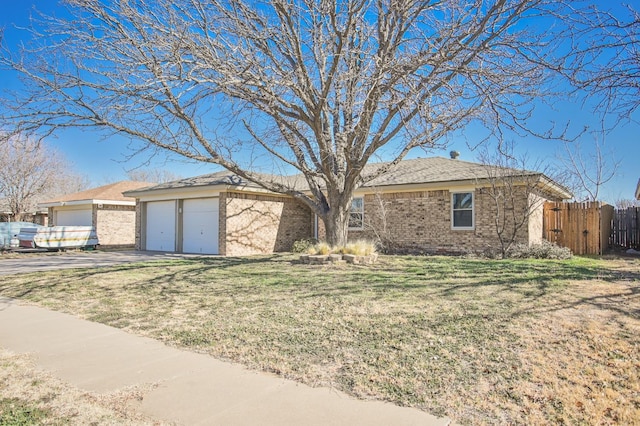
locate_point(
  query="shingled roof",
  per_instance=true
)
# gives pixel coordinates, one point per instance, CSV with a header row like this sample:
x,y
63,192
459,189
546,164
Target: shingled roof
x,y
223,178
111,192
434,170
408,172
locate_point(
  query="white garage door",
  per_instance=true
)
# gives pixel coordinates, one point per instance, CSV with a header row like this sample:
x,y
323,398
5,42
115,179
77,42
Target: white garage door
x,y
200,226
161,226
74,217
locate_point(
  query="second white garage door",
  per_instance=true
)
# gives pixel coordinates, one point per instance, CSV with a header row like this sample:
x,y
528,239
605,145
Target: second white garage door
x,y
74,217
161,226
200,226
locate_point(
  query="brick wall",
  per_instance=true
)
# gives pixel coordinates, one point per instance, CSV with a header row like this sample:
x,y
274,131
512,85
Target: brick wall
x,y
115,225
138,226
421,222
252,224
536,219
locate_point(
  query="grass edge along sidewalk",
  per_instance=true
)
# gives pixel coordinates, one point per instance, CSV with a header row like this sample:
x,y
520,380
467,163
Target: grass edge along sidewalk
x,y
477,340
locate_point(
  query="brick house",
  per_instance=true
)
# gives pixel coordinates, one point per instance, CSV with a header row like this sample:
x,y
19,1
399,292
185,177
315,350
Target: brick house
x,y
448,205
112,214
218,213
37,215
427,205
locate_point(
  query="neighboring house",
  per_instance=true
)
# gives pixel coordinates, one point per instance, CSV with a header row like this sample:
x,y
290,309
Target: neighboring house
x,y
112,214
429,205
37,216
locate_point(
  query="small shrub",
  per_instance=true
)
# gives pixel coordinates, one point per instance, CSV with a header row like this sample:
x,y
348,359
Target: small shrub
x,y
360,248
320,248
302,246
544,250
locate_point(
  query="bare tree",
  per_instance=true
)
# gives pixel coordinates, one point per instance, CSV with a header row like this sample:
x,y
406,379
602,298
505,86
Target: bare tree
x,y
152,175
31,172
514,191
585,171
305,86
626,203
606,57
378,222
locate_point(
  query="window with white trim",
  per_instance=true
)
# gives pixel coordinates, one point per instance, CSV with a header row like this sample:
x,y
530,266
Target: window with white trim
x,y
356,214
462,210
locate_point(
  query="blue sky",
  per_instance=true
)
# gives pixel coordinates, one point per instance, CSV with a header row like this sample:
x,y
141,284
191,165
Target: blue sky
x,y
105,160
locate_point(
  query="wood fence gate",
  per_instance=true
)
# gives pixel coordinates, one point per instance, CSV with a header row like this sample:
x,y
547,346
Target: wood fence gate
x,y
582,227
625,231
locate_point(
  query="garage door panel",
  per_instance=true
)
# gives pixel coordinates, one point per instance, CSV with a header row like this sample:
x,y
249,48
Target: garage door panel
x,y
82,217
200,226
161,226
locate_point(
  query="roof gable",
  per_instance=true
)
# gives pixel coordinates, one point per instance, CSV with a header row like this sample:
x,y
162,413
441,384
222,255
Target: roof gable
x,y
110,192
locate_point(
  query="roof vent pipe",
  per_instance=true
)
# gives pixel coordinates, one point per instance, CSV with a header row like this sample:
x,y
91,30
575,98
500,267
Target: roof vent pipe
x,y
454,155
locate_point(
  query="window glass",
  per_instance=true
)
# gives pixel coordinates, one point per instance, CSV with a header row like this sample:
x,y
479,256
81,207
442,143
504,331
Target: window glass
x,y
462,209
463,200
356,215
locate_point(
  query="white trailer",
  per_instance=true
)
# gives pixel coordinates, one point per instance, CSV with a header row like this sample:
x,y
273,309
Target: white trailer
x,y
58,237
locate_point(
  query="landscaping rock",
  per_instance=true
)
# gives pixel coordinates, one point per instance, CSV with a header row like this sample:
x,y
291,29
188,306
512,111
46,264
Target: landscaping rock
x,y
318,259
323,259
356,260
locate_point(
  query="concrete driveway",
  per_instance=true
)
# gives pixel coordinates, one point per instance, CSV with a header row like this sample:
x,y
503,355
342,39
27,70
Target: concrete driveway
x,y
25,262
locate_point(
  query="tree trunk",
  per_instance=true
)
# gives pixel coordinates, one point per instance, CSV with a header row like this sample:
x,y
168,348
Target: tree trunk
x,y
336,225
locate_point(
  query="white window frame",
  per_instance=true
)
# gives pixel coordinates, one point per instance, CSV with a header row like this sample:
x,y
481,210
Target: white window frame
x,y
473,212
361,212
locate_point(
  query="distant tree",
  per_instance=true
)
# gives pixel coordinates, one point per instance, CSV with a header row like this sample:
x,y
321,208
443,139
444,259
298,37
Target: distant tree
x,y
152,175
587,170
312,87
626,203
31,172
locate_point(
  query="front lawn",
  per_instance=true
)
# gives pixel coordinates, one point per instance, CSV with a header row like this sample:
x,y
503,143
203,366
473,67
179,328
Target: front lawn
x,y
480,341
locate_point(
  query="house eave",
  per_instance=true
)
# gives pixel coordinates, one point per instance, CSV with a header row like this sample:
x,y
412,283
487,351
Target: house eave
x,y
182,191
86,202
544,184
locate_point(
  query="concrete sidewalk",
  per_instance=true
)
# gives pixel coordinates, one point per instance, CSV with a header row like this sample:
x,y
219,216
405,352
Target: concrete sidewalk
x,y
192,389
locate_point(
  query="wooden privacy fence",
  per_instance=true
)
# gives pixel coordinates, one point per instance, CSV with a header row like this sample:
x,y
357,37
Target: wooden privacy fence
x,y
625,230
582,227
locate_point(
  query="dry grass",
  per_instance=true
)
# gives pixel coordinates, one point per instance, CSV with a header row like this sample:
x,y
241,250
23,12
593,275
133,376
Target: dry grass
x,y
481,341
358,247
29,396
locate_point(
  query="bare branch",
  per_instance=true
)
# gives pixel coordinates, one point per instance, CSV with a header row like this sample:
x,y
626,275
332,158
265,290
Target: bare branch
x,y
305,86
31,172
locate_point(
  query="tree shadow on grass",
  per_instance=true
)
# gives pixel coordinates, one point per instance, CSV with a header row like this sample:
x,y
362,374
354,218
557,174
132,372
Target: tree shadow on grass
x,y
524,284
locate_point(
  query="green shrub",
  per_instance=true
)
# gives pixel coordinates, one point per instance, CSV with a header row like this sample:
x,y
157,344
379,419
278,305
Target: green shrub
x,y
544,250
302,246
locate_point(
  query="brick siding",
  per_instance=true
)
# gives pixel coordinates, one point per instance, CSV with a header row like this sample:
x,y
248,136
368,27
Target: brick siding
x,y
417,221
115,225
253,224
421,222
